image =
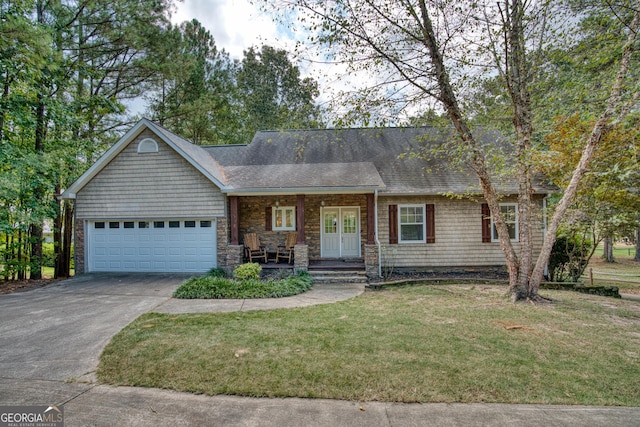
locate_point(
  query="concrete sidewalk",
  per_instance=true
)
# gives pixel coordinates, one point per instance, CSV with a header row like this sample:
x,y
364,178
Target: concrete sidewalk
x,y
103,405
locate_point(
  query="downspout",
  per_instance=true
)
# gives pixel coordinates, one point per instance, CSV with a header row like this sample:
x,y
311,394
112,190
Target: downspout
x,y
375,204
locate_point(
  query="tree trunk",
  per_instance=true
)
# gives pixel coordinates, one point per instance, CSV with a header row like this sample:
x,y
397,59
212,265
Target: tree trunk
x,y
20,267
597,132
516,76
64,224
5,95
5,256
637,257
607,254
67,239
448,98
57,236
38,192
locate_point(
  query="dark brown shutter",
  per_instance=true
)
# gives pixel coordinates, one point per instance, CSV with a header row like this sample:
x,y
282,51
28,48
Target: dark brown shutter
x,y
393,224
431,223
267,218
486,223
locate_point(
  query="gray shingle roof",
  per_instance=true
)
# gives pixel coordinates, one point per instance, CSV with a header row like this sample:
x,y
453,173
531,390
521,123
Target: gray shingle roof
x,y
305,176
347,158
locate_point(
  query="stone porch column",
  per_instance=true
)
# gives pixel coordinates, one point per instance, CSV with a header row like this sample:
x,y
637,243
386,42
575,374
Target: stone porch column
x,y
371,261
301,258
234,256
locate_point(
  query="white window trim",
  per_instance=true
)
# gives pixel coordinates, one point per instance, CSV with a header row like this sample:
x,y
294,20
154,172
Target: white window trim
x,y
494,233
274,210
424,223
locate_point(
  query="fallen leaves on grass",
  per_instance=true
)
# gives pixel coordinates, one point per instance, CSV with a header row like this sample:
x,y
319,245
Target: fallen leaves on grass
x,y
510,326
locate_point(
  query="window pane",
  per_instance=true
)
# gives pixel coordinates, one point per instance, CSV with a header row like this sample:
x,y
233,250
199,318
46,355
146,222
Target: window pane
x,y
205,224
349,224
509,213
411,232
99,225
174,224
158,224
114,225
284,218
143,224
330,223
128,224
411,215
189,224
288,218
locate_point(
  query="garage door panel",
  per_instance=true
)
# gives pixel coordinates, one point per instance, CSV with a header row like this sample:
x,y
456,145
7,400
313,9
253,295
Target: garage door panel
x,y
114,251
179,246
129,252
144,251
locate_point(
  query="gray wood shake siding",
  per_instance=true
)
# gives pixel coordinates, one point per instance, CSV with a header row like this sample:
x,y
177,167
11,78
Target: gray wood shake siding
x,y
458,236
149,185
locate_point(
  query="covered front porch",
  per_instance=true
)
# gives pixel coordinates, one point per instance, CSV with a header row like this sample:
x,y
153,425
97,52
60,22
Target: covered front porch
x,y
332,230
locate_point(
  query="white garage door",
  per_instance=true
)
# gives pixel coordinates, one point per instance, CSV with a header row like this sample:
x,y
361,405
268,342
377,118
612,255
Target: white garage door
x,y
152,246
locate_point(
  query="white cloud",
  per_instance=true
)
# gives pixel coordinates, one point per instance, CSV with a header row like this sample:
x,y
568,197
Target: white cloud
x,y
235,24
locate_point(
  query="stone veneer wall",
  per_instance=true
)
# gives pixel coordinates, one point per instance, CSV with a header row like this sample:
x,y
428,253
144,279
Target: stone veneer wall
x,y
301,258
222,235
235,256
78,256
371,261
251,211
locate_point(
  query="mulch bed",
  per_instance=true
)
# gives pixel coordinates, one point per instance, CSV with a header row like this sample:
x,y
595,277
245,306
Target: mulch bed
x,y
490,275
11,286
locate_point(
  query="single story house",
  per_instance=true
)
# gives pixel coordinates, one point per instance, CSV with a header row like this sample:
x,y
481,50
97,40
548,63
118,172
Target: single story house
x,y
154,202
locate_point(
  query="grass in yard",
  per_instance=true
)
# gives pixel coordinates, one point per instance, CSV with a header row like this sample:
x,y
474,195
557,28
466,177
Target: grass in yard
x,y
624,273
411,344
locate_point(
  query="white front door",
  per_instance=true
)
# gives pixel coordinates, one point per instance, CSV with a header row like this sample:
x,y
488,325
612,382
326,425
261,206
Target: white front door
x,y
340,232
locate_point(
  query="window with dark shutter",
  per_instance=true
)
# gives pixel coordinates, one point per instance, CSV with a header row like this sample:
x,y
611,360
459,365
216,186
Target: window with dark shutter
x,y
431,223
393,224
486,223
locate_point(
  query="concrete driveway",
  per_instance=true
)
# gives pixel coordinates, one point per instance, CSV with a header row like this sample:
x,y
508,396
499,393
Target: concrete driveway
x,y
58,332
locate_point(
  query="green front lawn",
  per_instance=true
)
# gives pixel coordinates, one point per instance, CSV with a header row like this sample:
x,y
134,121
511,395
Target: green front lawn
x,y
412,344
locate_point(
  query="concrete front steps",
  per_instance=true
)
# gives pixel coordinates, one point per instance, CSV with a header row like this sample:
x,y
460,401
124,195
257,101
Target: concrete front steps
x,y
326,277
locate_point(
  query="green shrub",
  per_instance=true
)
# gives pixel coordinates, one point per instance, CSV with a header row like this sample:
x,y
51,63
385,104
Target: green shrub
x,y
48,255
569,257
217,272
210,286
247,271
